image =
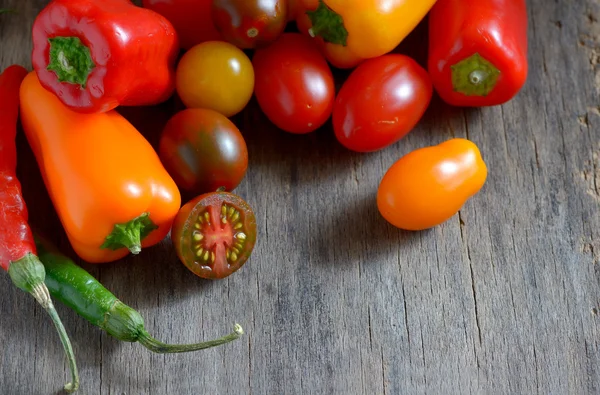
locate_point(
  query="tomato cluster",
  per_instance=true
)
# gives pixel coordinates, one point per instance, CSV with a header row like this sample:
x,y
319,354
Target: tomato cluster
x,y
234,50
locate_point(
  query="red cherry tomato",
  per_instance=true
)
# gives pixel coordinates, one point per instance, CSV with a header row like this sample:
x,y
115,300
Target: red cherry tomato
x,y
294,85
191,18
250,24
381,101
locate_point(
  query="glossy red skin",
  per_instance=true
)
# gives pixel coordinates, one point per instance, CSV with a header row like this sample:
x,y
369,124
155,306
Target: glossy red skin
x,y
191,18
496,29
219,233
134,50
380,102
16,239
235,18
294,84
217,155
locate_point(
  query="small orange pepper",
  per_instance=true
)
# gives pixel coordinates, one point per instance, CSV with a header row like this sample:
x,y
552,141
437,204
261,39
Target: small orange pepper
x,y
429,185
108,186
350,31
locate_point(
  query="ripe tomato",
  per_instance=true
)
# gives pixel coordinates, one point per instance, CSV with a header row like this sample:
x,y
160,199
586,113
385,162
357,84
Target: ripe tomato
x,y
428,186
294,84
250,24
203,151
214,234
191,19
215,75
380,102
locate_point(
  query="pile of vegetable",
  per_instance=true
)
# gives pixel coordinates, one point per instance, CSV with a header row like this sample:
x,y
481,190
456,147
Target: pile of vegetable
x,y
115,194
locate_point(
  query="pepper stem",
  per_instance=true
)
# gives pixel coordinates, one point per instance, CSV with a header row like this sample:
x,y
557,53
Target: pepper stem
x,y
474,76
130,234
70,60
28,274
159,347
327,24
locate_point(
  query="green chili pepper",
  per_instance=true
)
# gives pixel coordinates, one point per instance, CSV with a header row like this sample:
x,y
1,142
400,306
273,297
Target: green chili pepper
x,y
79,290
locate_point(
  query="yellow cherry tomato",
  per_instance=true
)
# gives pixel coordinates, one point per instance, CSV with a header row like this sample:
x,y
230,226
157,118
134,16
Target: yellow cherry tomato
x,y
215,75
428,186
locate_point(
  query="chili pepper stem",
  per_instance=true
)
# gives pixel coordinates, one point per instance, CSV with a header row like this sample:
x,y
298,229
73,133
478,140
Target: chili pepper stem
x,y
159,347
28,274
474,76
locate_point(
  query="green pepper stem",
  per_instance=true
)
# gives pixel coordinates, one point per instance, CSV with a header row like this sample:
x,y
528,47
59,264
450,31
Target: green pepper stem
x,y
130,234
159,347
64,338
327,24
474,76
70,60
28,274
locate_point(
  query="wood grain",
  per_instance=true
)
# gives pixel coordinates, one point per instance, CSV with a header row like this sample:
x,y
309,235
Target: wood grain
x,y
503,298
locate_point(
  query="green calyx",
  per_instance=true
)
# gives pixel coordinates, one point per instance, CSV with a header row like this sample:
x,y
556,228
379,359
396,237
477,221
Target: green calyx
x,y
474,76
327,24
27,273
70,60
130,235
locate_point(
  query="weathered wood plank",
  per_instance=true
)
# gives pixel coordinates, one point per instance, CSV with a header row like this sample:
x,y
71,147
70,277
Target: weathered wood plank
x,y
503,298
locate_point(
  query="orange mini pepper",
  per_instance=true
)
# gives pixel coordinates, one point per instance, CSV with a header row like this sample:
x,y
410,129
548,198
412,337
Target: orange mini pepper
x,y
108,185
350,31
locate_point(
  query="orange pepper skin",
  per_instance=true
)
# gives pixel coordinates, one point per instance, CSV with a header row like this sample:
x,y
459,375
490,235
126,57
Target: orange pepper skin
x,y
99,171
429,185
370,28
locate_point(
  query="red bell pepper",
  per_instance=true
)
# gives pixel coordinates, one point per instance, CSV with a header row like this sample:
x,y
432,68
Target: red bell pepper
x,y
478,50
96,55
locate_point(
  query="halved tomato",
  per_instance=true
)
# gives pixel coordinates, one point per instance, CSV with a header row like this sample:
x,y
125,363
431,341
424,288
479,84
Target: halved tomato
x,y
214,234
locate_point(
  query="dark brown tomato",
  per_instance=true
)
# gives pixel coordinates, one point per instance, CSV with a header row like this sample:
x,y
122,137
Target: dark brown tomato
x,y
250,24
214,234
203,151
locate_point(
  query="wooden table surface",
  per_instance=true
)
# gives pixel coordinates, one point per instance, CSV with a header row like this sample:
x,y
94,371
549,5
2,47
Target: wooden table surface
x,y
503,298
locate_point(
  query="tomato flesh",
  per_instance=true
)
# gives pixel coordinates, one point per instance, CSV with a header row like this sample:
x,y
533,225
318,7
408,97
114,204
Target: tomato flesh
x,y
214,234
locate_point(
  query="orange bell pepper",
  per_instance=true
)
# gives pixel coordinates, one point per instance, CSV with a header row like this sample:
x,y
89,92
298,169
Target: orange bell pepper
x,y
108,186
353,30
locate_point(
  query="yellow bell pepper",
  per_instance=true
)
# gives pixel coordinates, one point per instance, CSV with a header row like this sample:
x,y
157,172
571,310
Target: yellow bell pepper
x,y
352,30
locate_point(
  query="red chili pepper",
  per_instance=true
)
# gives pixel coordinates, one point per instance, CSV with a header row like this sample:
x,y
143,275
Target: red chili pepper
x,y
17,245
478,50
96,55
